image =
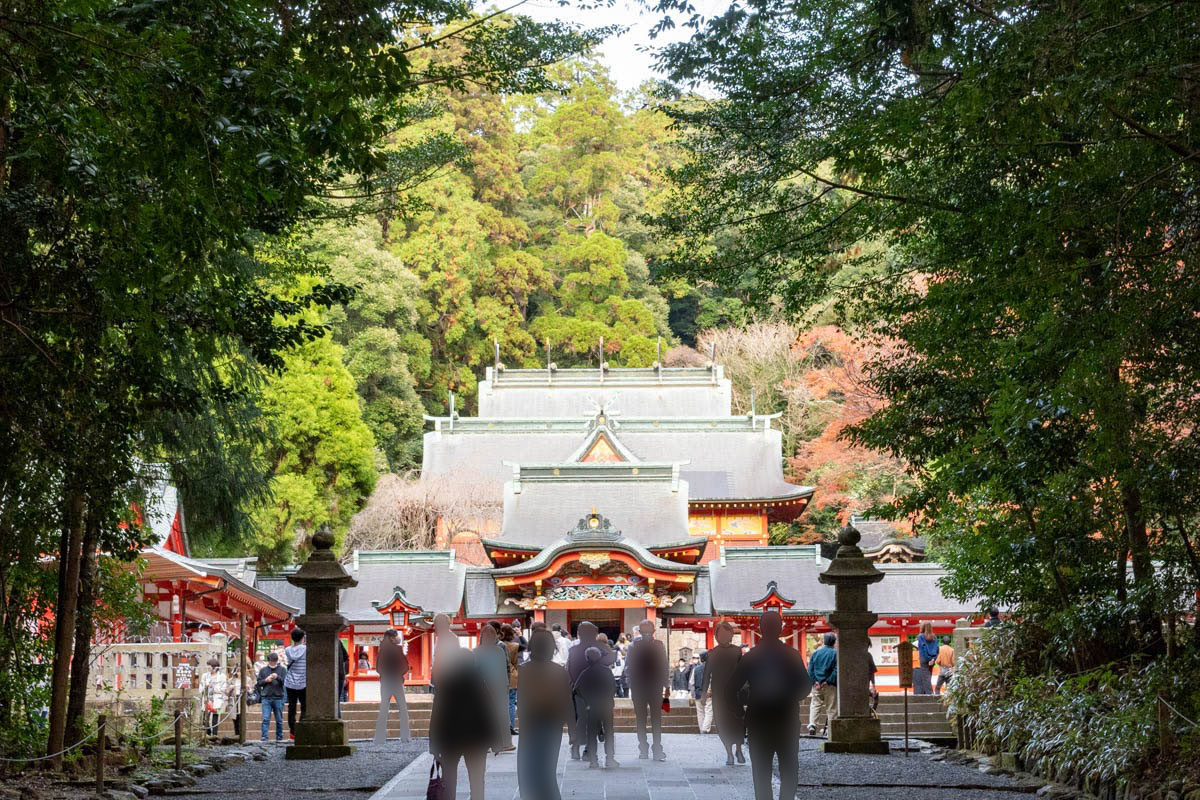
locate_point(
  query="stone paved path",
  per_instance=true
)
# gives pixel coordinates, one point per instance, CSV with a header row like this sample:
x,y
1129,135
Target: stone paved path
x,y
695,770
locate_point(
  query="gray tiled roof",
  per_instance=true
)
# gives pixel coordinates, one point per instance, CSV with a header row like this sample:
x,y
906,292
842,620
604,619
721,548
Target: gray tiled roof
x,y
687,392
750,461
727,464
744,575
909,589
428,577
913,589
646,511
480,599
277,587
568,543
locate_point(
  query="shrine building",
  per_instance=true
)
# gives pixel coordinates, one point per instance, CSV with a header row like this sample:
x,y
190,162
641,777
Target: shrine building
x,y
623,495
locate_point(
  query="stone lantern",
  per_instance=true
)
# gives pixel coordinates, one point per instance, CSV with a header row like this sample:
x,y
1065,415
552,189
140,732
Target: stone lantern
x,y
321,734
850,573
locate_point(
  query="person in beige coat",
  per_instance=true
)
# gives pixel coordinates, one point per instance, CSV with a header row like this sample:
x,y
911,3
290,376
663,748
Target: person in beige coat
x,y
393,666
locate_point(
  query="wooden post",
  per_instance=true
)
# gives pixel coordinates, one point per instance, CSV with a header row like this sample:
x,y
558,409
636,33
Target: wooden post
x,y
1166,738
179,738
101,734
243,669
904,660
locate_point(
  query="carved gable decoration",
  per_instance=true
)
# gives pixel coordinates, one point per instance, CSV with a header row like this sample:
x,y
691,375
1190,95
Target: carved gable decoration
x,y
601,452
594,528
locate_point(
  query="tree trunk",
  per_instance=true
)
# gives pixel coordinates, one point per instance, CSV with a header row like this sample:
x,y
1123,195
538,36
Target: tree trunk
x,y
1194,561
64,623
1143,569
85,627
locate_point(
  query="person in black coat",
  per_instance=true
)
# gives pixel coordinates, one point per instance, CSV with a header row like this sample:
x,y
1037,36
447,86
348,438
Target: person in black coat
x,y
597,688
777,681
462,723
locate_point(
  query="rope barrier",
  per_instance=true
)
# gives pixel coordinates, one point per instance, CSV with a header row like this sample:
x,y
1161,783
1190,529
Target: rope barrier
x,y
52,755
168,729
1178,713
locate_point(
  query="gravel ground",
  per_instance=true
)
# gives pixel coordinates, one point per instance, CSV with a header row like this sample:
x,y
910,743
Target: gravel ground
x,y
353,778
914,771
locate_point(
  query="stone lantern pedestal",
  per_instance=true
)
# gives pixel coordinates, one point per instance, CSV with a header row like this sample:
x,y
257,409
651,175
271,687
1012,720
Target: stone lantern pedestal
x,y
850,573
321,734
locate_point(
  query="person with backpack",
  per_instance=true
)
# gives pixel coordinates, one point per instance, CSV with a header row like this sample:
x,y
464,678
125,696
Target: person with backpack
x,y
296,681
587,634
776,681
270,694
597,690
822,669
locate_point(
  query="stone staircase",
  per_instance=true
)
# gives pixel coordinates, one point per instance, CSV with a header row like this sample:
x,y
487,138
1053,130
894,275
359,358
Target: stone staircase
x,y
926,715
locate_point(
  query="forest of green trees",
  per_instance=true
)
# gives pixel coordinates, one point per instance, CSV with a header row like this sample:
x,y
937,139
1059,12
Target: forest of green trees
x,y
953,244
537,237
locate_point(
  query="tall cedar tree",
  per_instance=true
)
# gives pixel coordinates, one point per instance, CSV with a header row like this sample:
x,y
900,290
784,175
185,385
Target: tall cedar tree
x,y
1027,173
145,148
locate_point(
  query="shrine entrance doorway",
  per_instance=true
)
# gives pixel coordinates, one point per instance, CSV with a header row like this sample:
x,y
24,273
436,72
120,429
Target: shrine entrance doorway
x,y
608,620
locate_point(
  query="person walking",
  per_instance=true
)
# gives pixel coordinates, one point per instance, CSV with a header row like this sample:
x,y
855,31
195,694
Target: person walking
x,y
270,693
576,663
214,688
927,653
703,703
993,620
513,648
647,668
945,665
544,706
463,722
722,660
492,660
822,669
777,681
296,681
392,666
597,689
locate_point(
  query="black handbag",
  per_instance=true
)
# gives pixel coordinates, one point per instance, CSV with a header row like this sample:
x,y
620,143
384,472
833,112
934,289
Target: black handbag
x,y
436,790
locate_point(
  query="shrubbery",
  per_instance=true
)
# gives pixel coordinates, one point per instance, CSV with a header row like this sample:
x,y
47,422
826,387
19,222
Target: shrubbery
x,y
1098,725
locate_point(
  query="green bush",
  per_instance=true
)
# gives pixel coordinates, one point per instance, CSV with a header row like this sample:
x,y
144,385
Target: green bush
x,y
1099,724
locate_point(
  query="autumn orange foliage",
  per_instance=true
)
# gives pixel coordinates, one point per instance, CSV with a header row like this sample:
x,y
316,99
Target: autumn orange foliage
x,y
848,480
